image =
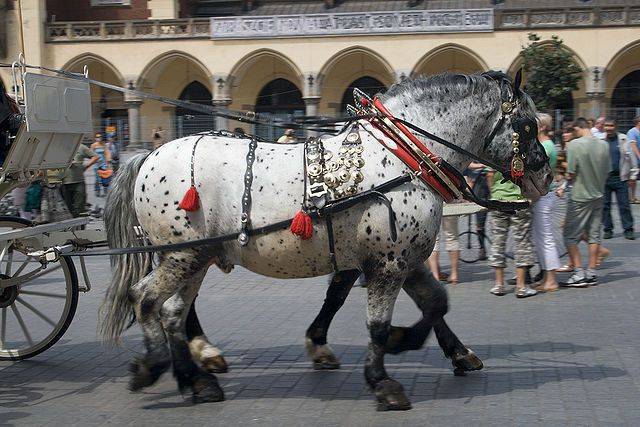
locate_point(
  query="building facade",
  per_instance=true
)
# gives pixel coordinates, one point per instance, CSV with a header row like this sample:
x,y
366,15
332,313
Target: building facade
x,y
294,58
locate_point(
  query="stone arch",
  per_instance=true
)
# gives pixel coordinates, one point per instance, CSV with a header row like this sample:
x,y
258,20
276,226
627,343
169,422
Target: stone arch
x,y
449,57
108,105
624,62
577,100
253,72
169,75
346,67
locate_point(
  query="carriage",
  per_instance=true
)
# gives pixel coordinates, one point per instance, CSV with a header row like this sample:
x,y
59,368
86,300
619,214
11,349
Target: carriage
x,y
39,290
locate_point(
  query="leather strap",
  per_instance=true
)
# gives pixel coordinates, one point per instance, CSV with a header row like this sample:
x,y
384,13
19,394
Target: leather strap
x,y
243,237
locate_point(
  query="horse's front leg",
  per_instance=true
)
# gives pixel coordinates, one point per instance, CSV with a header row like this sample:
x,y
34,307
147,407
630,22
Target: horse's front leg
x,y
431,298
173,315
209,356
383,285
318,350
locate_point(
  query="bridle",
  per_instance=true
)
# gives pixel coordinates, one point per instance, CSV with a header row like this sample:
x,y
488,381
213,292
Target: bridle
x,y
435,171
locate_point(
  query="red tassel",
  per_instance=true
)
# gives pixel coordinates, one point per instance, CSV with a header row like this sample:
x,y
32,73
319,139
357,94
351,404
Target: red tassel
x,y
302,226
191,201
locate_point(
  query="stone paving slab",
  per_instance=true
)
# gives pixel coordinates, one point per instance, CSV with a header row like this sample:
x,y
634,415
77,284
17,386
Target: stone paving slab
x,y
566,358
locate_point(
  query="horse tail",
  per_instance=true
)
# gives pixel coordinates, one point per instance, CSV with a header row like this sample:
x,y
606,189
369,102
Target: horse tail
x,y
120,220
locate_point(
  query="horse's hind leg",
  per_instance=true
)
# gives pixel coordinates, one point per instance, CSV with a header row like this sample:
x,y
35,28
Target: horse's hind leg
x,y
431,298
174,314
209,356
383,285
318,350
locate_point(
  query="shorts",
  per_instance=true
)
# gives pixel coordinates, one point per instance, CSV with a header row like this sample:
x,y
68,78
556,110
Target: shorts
x,y
450,230
583,217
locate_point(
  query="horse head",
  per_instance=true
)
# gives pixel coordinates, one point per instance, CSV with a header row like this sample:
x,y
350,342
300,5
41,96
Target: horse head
x,y
513,141
486,114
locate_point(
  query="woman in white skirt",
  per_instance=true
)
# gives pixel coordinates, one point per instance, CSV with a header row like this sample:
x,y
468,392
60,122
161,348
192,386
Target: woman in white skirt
x,y
543,226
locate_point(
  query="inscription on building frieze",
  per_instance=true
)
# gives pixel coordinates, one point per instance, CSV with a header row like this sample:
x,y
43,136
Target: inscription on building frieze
x,y
634,17
612,17
580,18
513,20
542,19
337,24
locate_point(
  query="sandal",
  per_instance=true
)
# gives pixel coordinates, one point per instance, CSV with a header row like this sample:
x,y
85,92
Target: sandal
x,y
567,268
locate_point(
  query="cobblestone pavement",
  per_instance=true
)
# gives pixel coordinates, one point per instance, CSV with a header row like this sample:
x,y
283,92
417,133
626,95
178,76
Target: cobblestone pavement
x,y
566,358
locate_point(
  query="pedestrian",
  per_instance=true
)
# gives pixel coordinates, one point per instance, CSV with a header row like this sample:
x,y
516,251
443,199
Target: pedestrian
x,y
74,190
520,224
633,136
102,167
624,167
112,145
158,137
598,129
452,246
543,227
288,137
588,167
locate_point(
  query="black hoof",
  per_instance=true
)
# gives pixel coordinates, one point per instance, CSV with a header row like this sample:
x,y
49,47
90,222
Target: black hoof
x,y
144,375
215,365
465,362
390,396
207,389
327,362
403,339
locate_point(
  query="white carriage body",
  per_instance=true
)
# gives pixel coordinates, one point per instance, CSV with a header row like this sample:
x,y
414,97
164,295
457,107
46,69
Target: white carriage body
x,y
57,116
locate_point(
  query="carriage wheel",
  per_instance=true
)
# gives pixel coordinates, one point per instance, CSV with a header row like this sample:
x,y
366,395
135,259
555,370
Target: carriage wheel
x,y
36,313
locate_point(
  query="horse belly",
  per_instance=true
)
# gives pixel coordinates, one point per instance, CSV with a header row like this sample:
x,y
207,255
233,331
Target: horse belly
x,y
285,256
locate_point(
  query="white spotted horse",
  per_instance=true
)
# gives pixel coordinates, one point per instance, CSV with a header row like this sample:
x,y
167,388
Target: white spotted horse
x,y
249,189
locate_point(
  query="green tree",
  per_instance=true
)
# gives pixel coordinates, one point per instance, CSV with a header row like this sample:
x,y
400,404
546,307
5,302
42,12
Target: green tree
x,y
551,72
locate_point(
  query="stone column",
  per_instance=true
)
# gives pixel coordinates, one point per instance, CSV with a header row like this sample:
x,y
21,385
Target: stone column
x,y
594,81
133,104
311,109
34,14
222,105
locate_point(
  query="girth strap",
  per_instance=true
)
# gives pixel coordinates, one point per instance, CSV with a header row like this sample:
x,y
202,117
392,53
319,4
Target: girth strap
x,y
243,237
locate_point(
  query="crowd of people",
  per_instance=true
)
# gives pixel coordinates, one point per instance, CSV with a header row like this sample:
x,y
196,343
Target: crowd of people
x,y
592,162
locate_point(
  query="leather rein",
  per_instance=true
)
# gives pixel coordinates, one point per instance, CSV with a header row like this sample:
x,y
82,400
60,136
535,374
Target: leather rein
x,y
435,171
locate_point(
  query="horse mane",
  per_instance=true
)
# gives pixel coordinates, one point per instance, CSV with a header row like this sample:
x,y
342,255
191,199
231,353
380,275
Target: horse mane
x,y
448,85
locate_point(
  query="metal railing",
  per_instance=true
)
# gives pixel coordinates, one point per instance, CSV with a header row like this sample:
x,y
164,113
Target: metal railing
x,y
128,30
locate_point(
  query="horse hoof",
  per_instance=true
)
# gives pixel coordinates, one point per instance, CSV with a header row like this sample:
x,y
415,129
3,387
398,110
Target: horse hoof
x,y
466,362
215,365
326,363
143,375
322,356
390,396
206,389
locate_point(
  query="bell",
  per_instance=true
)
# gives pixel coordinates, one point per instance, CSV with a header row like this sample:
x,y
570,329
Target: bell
x,y
343,150
507,107
343,176
359,162
328,154
332,166
515,143
338,193
352,151
359,149
353,137
350,191
516,150
357,176
331,180
515,135
341,160
527,128
315,169
348,163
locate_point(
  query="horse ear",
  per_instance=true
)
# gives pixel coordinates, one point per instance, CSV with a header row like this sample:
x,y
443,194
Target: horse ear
x,y
517,81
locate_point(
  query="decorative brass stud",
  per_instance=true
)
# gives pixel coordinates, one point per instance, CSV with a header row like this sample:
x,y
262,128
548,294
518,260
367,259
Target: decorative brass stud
x,y
359,162
315,170
343,176
507,107
353,137
357,176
